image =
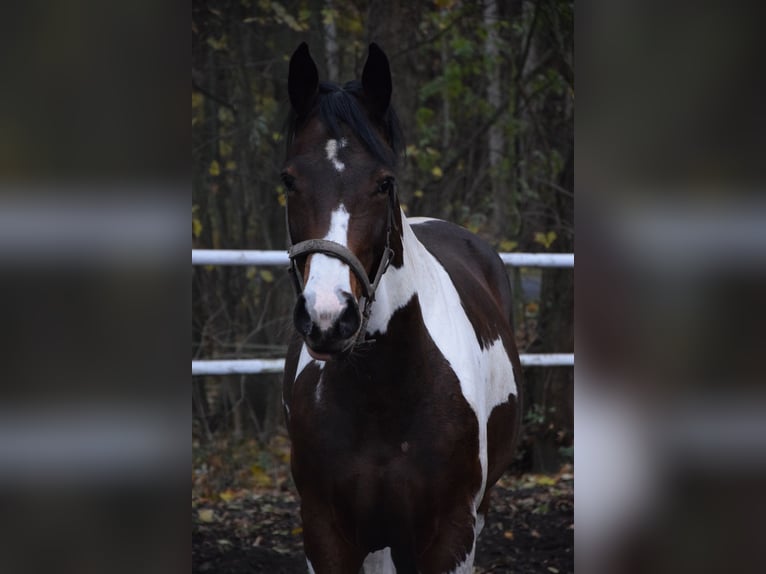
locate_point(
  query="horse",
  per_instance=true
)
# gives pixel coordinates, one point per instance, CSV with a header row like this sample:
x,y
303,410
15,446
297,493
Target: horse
x,y
401,389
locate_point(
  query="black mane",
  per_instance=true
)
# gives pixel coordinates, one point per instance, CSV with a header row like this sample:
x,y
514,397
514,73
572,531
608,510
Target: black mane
x,y
338,105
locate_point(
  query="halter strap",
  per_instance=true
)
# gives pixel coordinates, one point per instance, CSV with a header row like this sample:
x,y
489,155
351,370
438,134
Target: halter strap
x,y
334,249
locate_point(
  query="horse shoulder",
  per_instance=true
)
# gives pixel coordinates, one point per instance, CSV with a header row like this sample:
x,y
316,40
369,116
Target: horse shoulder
x,y
472,264
480,278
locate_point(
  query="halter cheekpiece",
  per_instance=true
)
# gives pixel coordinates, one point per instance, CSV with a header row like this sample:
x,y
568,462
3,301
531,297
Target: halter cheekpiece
x,y
334,249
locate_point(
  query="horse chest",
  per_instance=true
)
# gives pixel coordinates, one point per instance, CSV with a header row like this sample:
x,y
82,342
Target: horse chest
x,y
386,433
384,418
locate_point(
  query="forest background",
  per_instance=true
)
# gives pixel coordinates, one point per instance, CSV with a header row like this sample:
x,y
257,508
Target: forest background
x,y
485,94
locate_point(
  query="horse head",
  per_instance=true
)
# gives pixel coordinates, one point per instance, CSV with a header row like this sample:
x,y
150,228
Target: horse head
x,y
342,206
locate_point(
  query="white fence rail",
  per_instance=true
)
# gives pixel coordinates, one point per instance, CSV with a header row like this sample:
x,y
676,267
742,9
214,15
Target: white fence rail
x,y
254,257
272,258
254,366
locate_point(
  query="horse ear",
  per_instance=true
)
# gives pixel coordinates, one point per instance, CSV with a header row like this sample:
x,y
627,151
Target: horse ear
x,y
303,80
376,81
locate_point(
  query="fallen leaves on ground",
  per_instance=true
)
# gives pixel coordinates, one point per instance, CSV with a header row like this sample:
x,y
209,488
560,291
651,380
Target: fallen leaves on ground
x,y
529,529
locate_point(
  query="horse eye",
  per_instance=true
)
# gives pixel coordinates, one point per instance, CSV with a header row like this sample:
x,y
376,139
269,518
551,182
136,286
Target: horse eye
x,y
386,185
288,181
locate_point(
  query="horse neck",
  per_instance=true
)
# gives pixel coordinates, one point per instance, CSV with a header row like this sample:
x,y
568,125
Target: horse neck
x,y
399,284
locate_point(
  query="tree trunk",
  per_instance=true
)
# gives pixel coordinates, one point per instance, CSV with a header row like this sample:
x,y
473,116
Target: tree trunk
x,y
495,139
395,26
331,43
552,389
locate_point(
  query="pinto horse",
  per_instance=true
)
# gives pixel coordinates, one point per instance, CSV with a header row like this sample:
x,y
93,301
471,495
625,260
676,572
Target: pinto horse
x,y
401,389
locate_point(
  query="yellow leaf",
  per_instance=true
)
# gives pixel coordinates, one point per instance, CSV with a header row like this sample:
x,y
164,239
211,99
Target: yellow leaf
x,y
206,515
284,16
297,530
328,16
545,239
231,165
225,115
355,25
437,172
545,481
215,169
224,148
197,99
506,245
267,275
218,44
418,193
196,227
227,495
508,534
260,478
281,198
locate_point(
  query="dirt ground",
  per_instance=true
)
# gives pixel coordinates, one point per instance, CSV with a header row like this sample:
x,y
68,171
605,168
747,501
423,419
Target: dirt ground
x,y
529,529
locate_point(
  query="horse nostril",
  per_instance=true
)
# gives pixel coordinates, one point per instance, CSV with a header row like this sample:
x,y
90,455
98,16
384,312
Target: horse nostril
x,y
301,317
349,320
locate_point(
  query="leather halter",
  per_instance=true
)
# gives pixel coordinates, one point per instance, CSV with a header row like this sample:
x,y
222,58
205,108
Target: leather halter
x,y
334,249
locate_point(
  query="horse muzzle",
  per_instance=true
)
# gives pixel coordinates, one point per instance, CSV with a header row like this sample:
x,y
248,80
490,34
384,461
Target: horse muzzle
x,y
329,317
329,328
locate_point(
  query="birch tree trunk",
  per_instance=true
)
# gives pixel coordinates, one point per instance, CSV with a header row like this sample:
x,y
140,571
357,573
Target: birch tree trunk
x,y
331,42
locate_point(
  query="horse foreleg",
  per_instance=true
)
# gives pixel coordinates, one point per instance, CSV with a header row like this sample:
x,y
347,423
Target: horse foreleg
x,y
327,551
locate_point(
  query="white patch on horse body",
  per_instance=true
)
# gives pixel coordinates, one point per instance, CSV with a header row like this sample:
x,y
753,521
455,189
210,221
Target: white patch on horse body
x,y
331,148
379,562
318,389
485,375
466,566
305,359
329,277
419,220
479,524
311,568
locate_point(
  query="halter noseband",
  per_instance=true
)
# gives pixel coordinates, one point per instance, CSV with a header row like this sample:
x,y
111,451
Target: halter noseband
x,y
333,249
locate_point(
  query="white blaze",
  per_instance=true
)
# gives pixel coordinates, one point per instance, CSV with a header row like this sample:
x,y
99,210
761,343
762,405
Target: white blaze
x,y
331,147
328,276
